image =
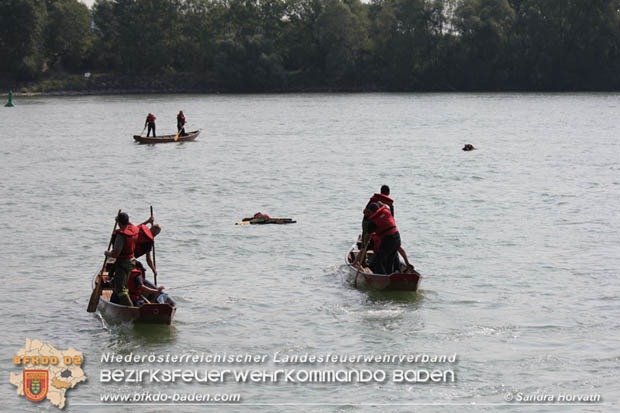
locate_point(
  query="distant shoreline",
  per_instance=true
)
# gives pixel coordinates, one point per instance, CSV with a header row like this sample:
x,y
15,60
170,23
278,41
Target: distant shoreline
x,y
113,84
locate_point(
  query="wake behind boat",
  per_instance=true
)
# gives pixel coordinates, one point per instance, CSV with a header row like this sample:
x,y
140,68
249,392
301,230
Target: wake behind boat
x,y
406,279
190,136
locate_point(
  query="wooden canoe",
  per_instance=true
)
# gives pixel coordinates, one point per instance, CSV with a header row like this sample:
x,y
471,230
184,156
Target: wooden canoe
x,y
407,279
167,138
153,313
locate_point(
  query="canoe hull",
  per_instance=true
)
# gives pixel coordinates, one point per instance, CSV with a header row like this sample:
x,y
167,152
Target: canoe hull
x,y
152,313
405,280
167,138
145,314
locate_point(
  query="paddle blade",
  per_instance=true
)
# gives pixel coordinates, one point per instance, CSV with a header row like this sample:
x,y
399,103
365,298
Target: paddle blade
x,y
94,297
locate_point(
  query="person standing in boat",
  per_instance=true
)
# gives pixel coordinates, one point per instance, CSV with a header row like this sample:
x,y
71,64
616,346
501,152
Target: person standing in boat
x,y
382,223
123,251
181,123
145,240
150,122
384,199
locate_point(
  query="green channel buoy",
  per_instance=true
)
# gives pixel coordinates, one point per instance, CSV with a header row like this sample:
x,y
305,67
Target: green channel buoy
x,y
10,102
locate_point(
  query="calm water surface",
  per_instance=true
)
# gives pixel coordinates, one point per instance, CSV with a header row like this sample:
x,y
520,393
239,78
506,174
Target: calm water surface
x,y
518,241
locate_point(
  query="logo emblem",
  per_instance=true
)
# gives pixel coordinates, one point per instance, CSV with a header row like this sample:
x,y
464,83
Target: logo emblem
x,y
36,384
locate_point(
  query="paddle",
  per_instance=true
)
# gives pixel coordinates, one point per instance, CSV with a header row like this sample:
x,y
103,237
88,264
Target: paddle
x,y
94,297
361,255
176,137
154,262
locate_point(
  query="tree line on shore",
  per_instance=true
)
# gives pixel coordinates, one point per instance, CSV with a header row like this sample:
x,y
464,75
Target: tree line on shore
x,y
270,45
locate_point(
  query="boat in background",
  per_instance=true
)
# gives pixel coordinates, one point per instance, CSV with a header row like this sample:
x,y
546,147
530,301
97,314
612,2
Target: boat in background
x,y
406,279
190,136
150,313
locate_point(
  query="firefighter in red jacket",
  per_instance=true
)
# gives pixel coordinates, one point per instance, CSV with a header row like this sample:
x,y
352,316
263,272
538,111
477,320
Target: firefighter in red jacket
x,y
138,290
123,251
384,199
145,240
150,122
383,225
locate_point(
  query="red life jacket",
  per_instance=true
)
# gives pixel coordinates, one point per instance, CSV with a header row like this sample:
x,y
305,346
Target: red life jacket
x,y
376,242
384,221
259,215
382,198
130,232
150,118
135,290
144,240
181,119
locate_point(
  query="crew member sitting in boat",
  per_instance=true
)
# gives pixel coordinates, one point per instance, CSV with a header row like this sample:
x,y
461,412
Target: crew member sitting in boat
x,y
145,240
150,121
384,199
181,123
123,251
382,223
139,292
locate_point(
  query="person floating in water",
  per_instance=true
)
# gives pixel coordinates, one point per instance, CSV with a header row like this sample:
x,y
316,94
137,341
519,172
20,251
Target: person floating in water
x,y
468,147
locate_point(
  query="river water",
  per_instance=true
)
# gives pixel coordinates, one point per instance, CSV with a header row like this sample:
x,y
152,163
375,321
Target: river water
x,y
518,243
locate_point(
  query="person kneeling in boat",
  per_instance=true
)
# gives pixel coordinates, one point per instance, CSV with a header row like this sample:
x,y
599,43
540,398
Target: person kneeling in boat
x,y
138,290
382,223
145,241
124,246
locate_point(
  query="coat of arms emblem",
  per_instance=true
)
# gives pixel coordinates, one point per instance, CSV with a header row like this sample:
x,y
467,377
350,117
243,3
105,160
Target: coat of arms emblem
x,y
36,384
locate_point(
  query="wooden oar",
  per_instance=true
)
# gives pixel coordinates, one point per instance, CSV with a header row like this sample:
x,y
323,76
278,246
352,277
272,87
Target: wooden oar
x,y
176,137
94,297
154,262
361,255
143,130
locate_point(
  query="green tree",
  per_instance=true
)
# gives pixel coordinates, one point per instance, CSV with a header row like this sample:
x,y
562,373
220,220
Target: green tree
x,y
485,27
67,34
106,43
147,34
342,38
567,45
407,36
22,23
